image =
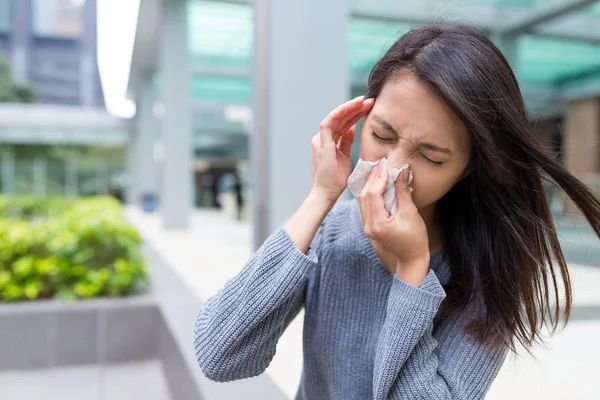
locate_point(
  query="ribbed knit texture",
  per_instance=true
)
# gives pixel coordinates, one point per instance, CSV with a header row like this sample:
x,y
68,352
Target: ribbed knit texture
x,y
367,334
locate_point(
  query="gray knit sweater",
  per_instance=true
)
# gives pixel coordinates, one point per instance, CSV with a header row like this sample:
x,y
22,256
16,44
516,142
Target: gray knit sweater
x,y
367,333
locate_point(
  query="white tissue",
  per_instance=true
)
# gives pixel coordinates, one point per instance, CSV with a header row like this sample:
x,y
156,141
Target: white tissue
x,y
358,179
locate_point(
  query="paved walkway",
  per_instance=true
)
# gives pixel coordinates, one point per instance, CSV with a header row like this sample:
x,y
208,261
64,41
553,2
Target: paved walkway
x,y
216,248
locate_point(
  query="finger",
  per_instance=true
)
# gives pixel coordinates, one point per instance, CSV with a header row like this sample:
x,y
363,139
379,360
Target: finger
x,y
348,111
326,126
316,145
402,187
346,141
364,204
377,188
352,117
363,111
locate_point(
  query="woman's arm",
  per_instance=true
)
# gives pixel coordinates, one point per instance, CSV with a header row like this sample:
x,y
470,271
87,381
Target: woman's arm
x,y
303,225
237,330
414,362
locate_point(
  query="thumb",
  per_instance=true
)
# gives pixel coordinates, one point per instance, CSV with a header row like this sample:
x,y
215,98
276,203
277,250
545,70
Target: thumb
x,y
402,186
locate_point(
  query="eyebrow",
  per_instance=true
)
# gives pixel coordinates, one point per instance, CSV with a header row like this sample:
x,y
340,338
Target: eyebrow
x,y
433,147
430,146
385,125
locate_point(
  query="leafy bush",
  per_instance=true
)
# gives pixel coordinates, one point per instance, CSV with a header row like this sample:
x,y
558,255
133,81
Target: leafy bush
x,y
68,249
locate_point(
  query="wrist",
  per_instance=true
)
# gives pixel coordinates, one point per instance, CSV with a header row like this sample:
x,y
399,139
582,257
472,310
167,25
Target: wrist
x,y
413,271
320,201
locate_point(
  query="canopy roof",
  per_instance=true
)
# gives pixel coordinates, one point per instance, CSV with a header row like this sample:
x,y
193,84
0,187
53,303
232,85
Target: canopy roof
x,y
557,47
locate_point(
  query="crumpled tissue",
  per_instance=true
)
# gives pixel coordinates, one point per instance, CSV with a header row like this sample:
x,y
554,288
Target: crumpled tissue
x,y
358,179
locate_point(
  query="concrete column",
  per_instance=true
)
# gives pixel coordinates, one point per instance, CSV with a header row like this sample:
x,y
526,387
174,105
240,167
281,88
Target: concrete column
x,y
40,175
146,134
21,36
508,46
71,179
582,135
8,172
582,138
88,62
301,73
177,176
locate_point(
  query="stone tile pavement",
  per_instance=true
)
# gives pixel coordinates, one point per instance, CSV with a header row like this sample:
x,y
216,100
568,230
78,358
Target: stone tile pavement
x,y
133,381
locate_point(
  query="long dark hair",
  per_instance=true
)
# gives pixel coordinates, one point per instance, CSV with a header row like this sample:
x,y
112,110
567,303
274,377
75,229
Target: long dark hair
x,y
500,239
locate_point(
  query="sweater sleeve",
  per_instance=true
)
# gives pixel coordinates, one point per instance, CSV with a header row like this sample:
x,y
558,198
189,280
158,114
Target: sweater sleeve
x,y
415,362
237,330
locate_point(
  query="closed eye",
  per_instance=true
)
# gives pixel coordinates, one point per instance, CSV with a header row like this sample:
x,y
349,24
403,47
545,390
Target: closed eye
x,y
434,163
376,136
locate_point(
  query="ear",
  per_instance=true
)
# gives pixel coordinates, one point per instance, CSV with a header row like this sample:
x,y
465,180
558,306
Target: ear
x,y
467,172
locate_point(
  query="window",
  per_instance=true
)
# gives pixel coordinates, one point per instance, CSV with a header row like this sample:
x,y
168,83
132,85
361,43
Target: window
x,y
58,18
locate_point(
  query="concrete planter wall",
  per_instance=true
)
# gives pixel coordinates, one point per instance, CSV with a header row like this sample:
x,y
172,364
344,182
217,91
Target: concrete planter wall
x,y
157,326
48,334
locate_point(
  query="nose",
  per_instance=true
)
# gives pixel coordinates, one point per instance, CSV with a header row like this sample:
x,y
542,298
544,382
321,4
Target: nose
x,y
397,157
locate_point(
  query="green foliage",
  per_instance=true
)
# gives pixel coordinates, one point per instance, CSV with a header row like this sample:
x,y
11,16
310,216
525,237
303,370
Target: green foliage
x,y
68,249
11,91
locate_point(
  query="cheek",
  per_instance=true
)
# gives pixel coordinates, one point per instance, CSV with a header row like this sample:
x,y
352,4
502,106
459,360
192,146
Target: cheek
x,y
430,185
370,150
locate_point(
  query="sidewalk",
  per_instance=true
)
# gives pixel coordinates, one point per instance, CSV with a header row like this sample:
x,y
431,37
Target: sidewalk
x,y
216,248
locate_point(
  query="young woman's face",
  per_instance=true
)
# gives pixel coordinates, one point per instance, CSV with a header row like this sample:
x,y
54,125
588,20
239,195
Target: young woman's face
x,y
411,124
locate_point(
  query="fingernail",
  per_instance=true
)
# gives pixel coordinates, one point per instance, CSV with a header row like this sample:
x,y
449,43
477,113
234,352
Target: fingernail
x,y
405,174
359,97
369,100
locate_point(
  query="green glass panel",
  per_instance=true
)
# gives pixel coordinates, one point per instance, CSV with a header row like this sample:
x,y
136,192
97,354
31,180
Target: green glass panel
x,y
234,90
222,89
220,34
543,60
368,39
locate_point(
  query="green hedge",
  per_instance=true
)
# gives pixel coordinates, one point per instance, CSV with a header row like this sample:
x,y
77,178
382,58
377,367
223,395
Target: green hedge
x,y
68,249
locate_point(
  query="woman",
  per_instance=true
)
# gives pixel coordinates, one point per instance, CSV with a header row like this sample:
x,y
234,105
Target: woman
x,y
426,302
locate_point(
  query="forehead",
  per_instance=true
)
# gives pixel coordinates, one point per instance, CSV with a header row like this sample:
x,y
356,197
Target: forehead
x,y
414,108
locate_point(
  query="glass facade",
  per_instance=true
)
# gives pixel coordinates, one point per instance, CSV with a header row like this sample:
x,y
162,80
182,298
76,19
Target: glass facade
x,y
221,37
61,170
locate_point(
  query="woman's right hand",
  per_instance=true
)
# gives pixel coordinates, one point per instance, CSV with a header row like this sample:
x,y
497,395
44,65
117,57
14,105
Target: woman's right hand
x,y
332,164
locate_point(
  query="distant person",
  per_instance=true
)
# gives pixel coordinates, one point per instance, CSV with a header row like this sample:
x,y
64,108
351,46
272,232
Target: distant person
x,y
239,197
115,192
423,302
215,192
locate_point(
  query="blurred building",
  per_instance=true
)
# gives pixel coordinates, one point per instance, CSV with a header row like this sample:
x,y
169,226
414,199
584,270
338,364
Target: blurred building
x,y
65,143
52,44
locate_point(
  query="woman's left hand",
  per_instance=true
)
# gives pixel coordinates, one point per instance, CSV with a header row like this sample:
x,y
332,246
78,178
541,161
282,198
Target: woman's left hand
x,y
404,233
